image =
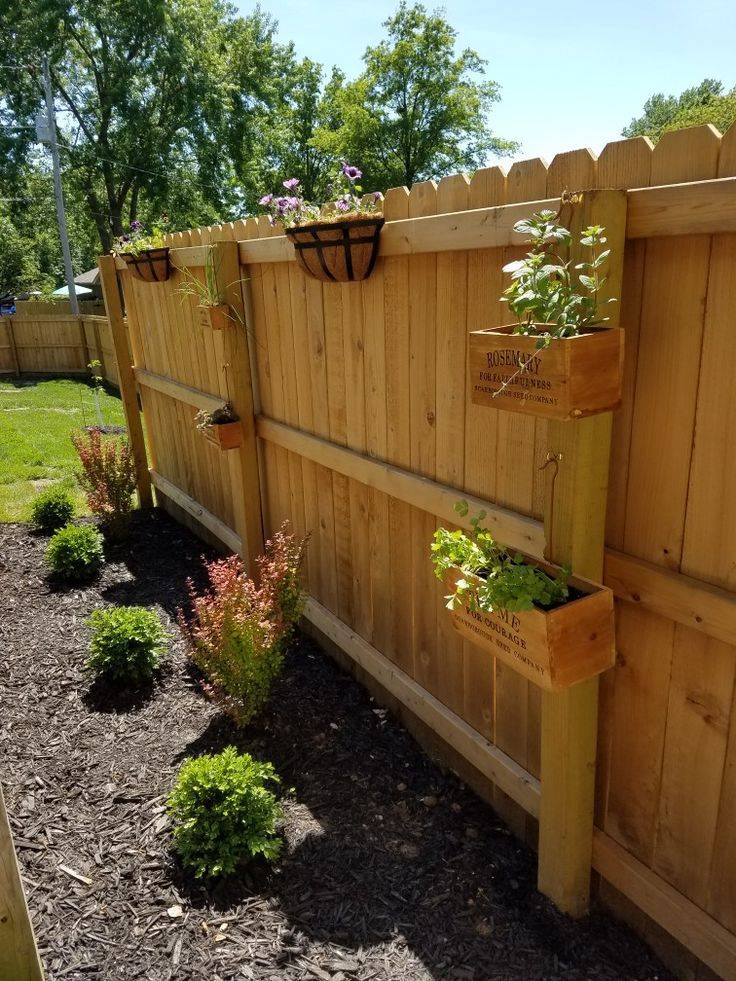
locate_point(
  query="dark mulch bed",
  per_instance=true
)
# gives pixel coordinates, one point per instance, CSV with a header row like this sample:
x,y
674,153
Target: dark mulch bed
x,y
392,869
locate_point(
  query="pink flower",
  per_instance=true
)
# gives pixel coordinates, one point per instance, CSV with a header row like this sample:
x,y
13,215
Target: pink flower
x,y
352,173
291,183
266,199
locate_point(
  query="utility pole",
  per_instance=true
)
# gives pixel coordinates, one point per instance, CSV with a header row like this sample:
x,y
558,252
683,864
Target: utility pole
x,y
48,136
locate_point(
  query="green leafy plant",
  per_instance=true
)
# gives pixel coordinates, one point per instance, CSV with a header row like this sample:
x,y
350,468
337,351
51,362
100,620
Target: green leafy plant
x,y
224,813
507,581
215,417
137,240
238,631
546,289
126,643
75,552
52,509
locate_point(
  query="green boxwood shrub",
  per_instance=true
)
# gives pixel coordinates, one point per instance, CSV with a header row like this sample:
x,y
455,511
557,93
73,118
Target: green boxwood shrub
x,y
126,643
223,813
52,509
75,552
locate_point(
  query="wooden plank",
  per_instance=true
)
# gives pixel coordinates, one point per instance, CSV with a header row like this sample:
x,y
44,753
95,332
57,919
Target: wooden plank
x,y
575,523
398,434
453,194
19,960
427,495
697,931
210,521
177,390
245,485
486,757
691,602
699,207
128,394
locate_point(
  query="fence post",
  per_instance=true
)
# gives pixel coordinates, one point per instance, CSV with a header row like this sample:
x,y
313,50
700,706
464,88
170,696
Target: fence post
x,y
575,529
13,347
19,960
126,378
247,504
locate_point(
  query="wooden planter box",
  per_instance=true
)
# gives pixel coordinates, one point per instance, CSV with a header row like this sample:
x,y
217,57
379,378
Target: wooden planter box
x,y
214,317
337,251
151,265
225,435
573,377
554,649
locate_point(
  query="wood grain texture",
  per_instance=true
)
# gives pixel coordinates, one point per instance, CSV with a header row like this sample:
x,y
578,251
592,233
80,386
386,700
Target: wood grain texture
x,y
19,960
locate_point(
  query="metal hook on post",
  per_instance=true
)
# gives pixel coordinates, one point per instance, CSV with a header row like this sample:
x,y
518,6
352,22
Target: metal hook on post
x,y
552,459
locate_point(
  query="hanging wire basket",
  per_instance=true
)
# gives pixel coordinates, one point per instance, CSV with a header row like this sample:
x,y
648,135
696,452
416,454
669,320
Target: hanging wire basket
x,y
150,265
337,251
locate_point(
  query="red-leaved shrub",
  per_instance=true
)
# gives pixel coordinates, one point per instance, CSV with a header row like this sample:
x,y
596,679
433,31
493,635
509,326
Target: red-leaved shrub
x,y
108,474
237,631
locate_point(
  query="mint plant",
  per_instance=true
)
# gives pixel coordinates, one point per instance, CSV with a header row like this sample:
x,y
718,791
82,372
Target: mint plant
x,y
507,581
546,289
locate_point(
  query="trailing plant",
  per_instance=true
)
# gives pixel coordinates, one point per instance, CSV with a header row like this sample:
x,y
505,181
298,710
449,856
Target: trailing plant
x,y
546,289
216,417
508,581
126,643
75,552
344,201
223,812
108,475
238,631
52,509
136,240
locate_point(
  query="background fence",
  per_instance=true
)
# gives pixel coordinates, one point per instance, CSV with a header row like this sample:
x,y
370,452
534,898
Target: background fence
x,y
56,343
366,438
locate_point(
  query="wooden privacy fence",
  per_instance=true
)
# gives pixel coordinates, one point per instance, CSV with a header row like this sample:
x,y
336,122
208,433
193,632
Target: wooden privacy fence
x,y
56,344
358,429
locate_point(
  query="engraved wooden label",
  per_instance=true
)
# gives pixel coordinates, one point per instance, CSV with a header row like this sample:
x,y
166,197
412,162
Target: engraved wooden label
x,y
553,649
573,377
214,318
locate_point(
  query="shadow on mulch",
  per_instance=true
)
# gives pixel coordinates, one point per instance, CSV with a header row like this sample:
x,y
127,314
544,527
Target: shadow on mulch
x,y
392,870
107,697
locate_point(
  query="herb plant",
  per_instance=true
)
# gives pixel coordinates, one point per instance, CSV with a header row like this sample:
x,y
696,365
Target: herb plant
x,y
136,240
223,812
75,552
546,289
506,581
217,417
52,509
108,475
345,201
126,643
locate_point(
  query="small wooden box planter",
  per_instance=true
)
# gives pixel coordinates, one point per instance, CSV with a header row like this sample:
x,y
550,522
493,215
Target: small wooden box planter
x,y
214,317
151,265
573,377
337,251
225,435
554,649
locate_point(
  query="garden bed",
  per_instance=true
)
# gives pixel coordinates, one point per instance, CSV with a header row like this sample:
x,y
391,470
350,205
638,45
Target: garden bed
x,y
391,870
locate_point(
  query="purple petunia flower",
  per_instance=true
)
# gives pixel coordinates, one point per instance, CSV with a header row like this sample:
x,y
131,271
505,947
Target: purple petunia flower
x,y
377,196
135,226
266,199
293,202
352,173
291,183
342,204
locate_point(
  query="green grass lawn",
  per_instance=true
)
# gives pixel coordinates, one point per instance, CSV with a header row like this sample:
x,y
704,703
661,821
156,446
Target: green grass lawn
x,y
36,420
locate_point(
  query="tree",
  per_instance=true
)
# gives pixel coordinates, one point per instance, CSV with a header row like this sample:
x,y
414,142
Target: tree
x,y
704,103
418,110
18,271
153,94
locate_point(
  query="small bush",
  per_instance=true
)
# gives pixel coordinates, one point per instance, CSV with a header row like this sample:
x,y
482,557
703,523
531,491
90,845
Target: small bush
x,y
108,475
126,644
75,552
238,632
223,813
52,509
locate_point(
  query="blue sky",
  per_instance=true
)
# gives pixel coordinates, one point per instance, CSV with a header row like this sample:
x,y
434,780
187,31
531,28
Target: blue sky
x,y
572,73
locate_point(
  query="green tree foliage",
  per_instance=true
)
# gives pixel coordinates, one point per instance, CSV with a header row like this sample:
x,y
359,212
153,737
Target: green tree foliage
x,y
704,103
418,110
150,93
